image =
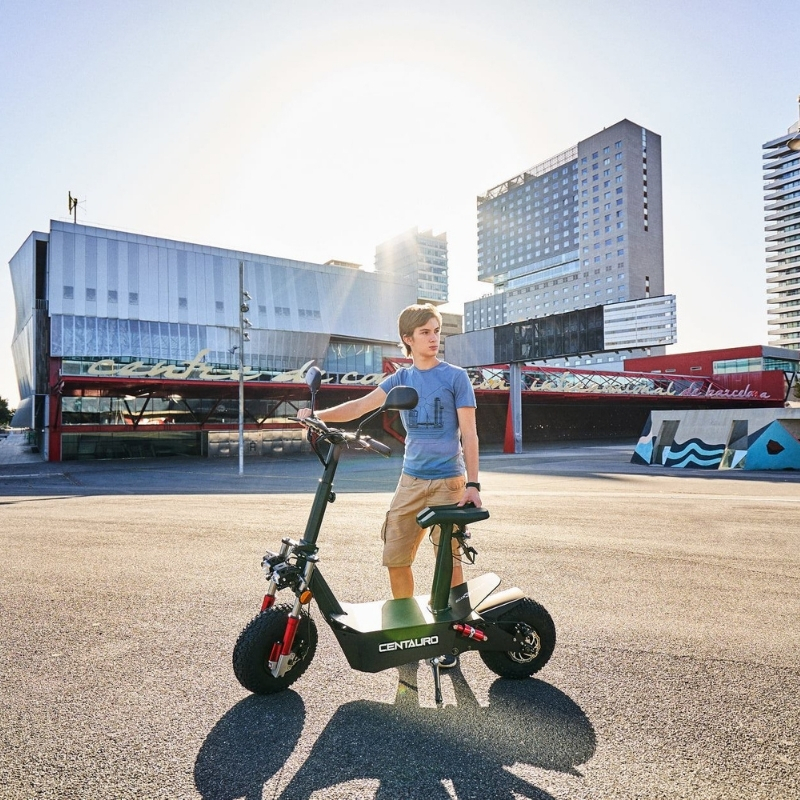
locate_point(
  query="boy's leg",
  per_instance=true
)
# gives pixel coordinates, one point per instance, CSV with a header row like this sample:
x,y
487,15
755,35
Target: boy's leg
x,y
401,534
401,580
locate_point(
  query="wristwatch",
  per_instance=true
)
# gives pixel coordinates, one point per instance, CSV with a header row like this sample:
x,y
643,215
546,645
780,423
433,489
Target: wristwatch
x,y
474,485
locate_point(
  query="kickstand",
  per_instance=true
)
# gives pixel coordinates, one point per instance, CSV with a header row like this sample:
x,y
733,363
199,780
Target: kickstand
x,y
437,683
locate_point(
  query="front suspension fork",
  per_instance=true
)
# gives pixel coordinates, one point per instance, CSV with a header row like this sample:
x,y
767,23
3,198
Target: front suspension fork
x,y
281,657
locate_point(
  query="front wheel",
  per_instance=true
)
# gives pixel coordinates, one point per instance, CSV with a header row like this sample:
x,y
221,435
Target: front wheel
x,y
254,645
533,627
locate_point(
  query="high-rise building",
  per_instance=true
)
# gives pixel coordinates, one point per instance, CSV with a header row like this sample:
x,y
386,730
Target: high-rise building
x,y
581,229
419,258
782,216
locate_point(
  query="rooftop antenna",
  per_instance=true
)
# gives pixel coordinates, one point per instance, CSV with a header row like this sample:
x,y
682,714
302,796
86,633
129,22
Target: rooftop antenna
x,y
73,207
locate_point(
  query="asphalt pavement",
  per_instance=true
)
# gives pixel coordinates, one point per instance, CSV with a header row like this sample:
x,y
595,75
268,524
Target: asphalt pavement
x,y
675,593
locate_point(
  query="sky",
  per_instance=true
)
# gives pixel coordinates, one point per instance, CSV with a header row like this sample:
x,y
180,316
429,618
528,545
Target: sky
x,y
316,129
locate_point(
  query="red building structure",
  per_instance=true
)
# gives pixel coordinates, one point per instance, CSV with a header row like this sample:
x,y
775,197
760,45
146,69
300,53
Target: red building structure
x,y
752,358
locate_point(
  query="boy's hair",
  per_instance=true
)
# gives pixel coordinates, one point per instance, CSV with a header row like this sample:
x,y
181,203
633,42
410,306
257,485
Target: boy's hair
x,y
415,317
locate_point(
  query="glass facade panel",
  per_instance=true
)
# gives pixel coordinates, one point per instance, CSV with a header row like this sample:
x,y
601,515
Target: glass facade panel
x,y
81,446
781,364
737,365
350,357
139,412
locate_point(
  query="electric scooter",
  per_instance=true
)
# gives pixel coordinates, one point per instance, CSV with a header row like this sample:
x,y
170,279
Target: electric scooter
x,y
514,635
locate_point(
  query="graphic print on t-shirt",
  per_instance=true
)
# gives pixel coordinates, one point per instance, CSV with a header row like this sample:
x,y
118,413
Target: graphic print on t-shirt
x,y
428,414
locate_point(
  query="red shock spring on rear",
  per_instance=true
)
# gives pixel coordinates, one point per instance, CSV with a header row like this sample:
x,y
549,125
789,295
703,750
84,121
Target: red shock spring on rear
x,y
469,632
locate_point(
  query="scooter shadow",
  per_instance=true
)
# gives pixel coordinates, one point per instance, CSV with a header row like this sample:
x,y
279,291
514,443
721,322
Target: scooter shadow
x,y
249,745
409,751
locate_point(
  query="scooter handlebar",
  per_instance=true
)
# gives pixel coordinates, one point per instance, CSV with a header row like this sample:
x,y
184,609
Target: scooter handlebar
x,y
365,442
378,447
312,422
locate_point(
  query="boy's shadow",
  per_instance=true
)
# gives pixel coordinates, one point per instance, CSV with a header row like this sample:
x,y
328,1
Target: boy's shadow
x,y
410,750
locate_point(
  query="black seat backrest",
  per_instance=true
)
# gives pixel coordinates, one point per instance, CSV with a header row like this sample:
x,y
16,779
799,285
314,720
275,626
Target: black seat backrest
x,y
456,515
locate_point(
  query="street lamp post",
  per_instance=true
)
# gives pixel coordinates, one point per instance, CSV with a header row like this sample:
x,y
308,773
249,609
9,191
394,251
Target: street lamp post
x,y
244,336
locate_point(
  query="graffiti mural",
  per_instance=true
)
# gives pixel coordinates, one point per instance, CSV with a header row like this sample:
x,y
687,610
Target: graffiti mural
x,y
754,439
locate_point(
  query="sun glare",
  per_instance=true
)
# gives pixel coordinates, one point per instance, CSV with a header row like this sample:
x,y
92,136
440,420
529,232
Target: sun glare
x,y
326,150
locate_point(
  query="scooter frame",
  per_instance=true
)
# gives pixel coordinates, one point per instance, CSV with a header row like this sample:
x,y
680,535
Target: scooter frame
x,y
375,636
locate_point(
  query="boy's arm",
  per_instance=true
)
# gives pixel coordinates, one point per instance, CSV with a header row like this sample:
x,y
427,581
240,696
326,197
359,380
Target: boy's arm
x,y
469,444
352,409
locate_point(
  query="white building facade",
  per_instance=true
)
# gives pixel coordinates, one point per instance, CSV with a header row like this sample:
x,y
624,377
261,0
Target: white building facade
x,y
93,303
782,217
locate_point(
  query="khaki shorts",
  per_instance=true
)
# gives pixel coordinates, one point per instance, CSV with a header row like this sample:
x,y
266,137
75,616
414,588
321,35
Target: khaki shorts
x,y
401,535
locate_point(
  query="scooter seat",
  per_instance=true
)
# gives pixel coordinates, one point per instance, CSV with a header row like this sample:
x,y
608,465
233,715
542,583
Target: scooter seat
x,y
452,514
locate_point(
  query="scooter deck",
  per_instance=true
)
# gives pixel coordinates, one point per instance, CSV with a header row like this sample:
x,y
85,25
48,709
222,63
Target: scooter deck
x,y
386,615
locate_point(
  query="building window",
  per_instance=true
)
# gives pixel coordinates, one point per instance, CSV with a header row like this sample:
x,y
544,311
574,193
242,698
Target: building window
x,y
133,298
183,302
112,295
91,295
69,292
219,305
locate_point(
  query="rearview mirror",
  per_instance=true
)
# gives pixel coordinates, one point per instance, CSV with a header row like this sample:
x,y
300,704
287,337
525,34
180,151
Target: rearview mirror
x,y
314,379
401,398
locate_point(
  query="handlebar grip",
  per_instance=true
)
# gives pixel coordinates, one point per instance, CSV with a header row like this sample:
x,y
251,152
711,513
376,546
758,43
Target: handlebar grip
x,y
379,447
312,422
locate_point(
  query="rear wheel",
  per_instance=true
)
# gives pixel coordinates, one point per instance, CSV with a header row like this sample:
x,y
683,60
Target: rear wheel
x,y
252,650
533,628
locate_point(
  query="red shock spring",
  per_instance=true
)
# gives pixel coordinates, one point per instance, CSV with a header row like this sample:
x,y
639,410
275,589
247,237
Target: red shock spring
x,y
469,632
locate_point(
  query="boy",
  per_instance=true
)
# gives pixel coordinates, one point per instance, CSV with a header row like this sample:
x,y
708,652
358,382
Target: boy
x,y
440,465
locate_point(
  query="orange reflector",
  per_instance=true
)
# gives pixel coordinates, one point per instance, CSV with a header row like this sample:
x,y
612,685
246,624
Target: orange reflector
x,y
305,597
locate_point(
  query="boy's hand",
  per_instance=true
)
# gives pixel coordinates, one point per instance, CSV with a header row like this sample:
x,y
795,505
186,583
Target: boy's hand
x,y
471,495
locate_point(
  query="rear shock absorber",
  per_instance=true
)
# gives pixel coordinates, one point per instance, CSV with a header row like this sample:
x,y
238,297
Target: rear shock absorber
x,y
469,632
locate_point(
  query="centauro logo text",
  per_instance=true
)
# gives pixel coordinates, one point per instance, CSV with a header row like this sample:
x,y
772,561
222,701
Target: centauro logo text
x,y
405,644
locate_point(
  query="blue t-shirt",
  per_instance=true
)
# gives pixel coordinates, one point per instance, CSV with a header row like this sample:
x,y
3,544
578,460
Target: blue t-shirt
x,y
433,445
